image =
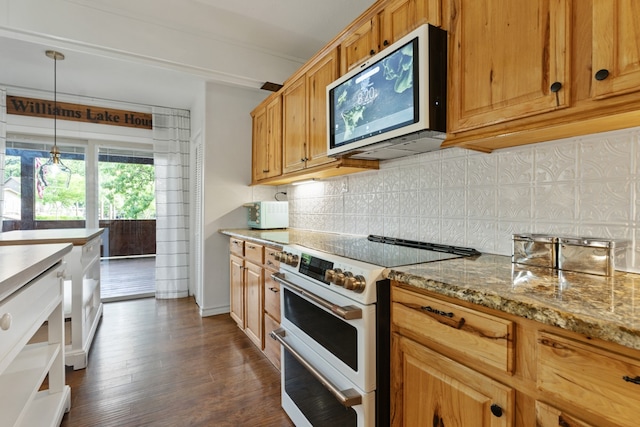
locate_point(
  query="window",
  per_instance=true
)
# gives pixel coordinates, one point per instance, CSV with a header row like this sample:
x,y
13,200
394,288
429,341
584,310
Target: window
x,y
127,184
35,195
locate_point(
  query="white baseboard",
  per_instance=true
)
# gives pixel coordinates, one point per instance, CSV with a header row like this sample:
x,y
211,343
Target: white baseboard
x,y
212,311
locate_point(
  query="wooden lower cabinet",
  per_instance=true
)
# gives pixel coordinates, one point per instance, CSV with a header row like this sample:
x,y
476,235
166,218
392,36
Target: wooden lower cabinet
x,y
254,282
434,390
548,416
236,275
547,377
255,298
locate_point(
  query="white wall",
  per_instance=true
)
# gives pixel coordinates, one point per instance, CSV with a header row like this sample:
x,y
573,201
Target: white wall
x,y
227,174
585,186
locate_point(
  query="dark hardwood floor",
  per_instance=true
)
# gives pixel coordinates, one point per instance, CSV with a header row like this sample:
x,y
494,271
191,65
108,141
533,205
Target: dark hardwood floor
x,y
158,363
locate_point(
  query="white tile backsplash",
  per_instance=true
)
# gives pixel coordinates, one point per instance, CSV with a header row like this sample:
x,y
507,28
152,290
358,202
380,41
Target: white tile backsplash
x,y
587,186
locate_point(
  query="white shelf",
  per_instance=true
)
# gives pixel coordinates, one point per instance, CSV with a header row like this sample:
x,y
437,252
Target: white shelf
x,y
47,409
24,367
19,383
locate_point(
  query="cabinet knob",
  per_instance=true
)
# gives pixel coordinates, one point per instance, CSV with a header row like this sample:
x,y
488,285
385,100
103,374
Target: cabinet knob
x,y
555,87
372,52
496,410
602,74
385,43
5,321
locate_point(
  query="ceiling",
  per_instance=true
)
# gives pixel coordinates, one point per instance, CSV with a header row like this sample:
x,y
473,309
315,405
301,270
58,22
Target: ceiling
x,y
291,29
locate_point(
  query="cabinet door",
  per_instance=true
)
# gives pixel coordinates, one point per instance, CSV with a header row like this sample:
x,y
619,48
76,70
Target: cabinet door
x,y
236,274
400,17
318,77
361,44
294,111
260,163
548,416
254,282
430,389
267,141
616,47
274,138
505,56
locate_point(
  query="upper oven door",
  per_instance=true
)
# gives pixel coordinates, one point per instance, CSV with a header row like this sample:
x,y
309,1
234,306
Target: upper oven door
x,y
340,331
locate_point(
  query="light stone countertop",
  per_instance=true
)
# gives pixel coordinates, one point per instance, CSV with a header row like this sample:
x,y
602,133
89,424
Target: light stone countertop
x,y
601,307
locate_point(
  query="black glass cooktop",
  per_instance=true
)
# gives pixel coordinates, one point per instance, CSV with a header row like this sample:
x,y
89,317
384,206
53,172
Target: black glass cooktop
x,y
388,251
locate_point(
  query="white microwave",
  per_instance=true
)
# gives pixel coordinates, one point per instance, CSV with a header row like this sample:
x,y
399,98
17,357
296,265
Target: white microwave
x,y
269,214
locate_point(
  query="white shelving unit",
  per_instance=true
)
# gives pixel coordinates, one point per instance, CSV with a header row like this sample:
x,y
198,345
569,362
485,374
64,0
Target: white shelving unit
x,y
82,300
32,294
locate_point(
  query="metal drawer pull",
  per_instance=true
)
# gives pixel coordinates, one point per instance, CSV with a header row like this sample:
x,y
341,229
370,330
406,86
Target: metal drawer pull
x,y
635,380
348,312
347,397
436,311
272,289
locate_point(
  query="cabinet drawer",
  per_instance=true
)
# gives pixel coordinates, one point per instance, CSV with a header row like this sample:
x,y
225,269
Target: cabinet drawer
x,y
597,380
270,258
478,336
28,308
271,346
236,246
91,252
271,296
254,252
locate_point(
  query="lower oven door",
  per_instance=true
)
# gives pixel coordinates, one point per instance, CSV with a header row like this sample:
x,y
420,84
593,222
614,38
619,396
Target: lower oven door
x,y
348,344
316,394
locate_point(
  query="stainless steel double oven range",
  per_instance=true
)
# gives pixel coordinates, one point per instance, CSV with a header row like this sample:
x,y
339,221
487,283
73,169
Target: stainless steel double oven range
x,y
335,326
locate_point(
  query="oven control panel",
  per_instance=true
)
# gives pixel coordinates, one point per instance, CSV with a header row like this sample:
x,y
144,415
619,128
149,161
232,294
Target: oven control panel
x,y
342,274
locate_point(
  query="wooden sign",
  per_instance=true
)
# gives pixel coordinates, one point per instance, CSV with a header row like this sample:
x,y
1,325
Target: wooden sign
x,y
78,113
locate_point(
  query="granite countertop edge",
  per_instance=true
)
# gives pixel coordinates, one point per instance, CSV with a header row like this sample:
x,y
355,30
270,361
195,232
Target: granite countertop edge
x,y
532,310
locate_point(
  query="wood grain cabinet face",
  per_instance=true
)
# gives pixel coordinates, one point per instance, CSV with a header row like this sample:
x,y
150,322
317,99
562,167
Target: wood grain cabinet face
x,y
305,116
475,335
254,284
599,382
294,125
435,390
548,416
236,277
616,52
267,140
397,19
505,56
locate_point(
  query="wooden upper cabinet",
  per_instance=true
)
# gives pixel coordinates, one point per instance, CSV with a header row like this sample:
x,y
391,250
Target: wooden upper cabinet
x,y
305,116
505,58
294,125
616,47
318,77
360,44
267,140
398,18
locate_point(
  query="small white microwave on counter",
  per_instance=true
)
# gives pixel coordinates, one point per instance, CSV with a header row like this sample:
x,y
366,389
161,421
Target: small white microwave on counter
x,y
269,214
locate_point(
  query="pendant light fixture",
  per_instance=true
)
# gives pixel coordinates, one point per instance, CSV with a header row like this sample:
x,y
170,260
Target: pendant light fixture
x,y
54,165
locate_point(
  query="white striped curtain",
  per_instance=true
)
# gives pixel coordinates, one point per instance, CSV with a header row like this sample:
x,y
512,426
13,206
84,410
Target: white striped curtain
x,y
3,143
171,131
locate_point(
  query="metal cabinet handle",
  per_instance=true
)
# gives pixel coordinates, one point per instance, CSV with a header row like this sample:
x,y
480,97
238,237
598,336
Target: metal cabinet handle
x,y
347,397
274,290
348,312
634,380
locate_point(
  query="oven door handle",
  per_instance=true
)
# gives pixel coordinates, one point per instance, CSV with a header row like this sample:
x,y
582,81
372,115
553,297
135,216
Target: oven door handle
x,y
348,397
348,312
